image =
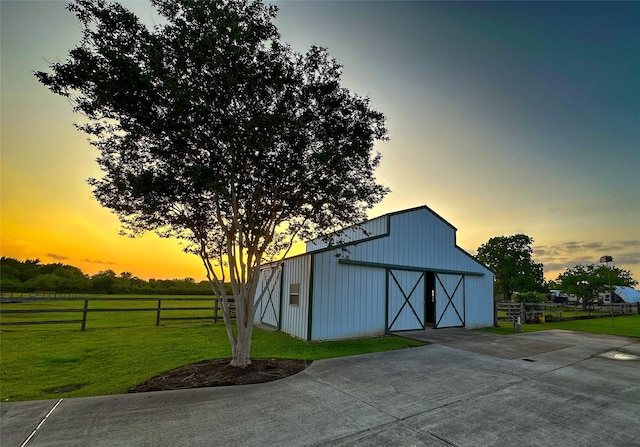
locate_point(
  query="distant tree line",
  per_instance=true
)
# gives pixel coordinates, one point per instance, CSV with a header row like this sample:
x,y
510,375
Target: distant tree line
x,y
31,276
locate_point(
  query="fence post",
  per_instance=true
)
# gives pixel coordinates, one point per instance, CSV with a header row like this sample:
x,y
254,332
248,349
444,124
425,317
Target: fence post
x,y
84,314
216,307
495,313
158,313
560,312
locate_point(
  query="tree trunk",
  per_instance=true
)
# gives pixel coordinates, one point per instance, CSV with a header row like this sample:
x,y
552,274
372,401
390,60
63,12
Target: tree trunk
x,y
245,310
242,297
242,349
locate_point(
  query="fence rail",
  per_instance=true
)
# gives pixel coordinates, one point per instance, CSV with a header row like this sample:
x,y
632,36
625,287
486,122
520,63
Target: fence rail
x,y
215,309
541,312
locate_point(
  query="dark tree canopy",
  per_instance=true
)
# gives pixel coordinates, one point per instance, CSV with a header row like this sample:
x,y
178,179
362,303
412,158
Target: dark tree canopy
x,y
213,131
510,258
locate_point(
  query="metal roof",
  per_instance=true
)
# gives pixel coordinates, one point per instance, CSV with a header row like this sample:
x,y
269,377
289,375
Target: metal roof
x,y
628,294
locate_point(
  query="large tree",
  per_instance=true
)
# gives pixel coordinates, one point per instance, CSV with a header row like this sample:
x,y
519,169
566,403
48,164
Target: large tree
x,y
212,130
587,281
510,258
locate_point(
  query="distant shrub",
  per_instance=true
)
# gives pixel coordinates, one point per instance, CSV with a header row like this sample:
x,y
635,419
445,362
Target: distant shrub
x,y
529,297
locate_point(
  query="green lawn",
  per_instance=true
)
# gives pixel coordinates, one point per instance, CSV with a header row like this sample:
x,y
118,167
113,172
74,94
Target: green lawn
x,y
46,362
121,349
628,325
98,315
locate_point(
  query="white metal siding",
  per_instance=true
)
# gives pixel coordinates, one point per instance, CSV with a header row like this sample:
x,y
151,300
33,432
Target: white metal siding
x,y
295,318
348,301
479,301
418,239
371,228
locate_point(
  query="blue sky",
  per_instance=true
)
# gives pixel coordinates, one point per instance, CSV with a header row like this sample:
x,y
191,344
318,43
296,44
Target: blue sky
x,y
503,117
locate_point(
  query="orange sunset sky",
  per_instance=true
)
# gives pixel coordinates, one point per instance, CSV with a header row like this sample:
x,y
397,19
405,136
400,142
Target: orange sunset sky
x,y
503,118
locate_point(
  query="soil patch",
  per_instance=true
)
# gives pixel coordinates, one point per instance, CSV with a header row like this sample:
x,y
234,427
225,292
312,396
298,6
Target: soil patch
x,y
218,373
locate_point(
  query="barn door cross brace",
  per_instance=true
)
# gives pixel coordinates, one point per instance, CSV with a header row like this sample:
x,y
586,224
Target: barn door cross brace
x,y
270,290
406,299
450,300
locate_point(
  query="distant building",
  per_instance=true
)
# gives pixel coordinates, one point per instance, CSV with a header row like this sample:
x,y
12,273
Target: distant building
x,y
621,294
401,271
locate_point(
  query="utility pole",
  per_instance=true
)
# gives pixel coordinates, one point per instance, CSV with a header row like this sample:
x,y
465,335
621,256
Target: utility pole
x,y
607,260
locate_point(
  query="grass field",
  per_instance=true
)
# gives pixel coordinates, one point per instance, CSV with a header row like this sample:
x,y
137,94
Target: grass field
x,y
120,350
628,325
99,306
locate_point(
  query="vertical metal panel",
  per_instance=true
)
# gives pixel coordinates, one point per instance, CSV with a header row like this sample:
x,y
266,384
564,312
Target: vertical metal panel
x,y
370,229
294,317
479,301
348,300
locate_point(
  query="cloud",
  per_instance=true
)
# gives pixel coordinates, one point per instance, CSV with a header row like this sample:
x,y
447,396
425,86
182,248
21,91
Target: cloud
x,y
559,257
581,246
57,257
95,261
629,258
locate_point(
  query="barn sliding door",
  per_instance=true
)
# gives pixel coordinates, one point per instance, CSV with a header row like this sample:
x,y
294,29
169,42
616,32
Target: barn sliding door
x,y
449,309
269,308
405,300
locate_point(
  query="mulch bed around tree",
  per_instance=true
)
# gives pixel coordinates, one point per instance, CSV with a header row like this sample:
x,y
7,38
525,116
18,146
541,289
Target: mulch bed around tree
x,y
218,373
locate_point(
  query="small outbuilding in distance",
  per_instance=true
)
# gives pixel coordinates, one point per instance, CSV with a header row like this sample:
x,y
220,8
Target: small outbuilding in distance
x,y
623,294
397,272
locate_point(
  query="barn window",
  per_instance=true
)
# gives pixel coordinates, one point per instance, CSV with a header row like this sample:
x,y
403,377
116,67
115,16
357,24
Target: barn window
x,y
294,295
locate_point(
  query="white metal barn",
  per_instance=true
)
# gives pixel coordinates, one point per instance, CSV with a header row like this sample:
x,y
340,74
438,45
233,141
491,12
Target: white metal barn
x,y
401,271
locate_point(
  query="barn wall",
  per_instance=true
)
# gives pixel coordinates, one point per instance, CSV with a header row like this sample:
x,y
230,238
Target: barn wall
x,y
419,239
414,238
479,301
296,270
371,229
348,301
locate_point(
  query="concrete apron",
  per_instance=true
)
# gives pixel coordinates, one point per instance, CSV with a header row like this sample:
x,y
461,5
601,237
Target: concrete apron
x,y
553,388
512,347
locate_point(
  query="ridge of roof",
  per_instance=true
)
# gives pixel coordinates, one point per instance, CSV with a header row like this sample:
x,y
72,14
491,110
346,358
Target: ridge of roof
x,y
416,208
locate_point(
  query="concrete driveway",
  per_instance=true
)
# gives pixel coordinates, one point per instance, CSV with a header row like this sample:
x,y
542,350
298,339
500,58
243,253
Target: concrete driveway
x,y
553,388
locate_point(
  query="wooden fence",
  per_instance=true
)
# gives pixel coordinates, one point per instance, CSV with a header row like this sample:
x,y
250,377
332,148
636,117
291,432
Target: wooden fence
x,y
541,312
215,308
